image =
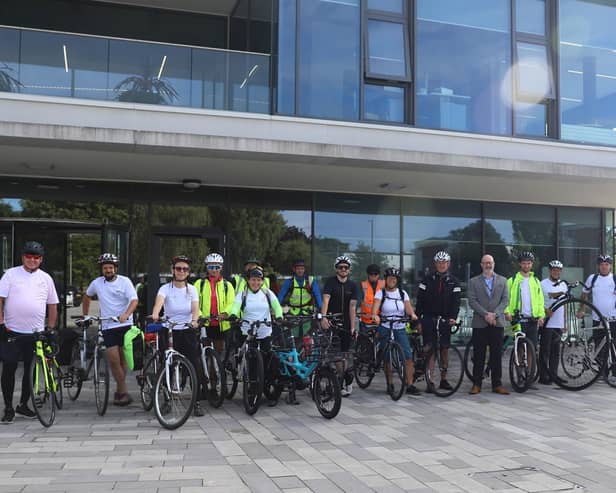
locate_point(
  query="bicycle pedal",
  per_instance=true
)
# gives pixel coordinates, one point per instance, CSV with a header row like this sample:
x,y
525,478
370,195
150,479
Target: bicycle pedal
x,y
140,380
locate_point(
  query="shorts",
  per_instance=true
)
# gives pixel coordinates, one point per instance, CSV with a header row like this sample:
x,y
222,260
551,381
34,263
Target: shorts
x,y
400,336
20,349
213,332
115,336
345,340
428,331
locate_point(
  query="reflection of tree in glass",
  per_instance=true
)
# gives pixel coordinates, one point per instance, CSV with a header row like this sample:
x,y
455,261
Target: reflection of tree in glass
x,y
364,256
325,253
8,83
146,87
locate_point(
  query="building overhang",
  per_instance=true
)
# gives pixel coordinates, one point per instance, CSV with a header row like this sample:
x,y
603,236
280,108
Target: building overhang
x,y
61,138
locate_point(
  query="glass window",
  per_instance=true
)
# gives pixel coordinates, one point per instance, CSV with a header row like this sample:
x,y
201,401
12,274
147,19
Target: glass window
x,y
384,103
9,58
463,59
579,231
286,57
534,72
609,232
512,228
530,119
431,225
386,49
588,71
530,16
365,228
329,59
392,6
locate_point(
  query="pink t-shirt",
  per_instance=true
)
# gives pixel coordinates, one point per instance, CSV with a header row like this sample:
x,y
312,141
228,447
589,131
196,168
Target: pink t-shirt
x,y
27,295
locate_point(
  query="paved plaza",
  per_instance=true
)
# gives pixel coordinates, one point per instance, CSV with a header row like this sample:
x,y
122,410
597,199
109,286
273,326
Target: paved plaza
x,y
544,440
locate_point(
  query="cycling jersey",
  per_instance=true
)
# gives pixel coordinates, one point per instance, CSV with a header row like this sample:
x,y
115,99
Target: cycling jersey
x,y
341,294
438,295
603,295
252,306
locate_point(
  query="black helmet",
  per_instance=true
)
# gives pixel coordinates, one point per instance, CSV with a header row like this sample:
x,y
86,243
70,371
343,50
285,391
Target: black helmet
x,y
108,258
256,273
392,272
604,258
33,248
180,258
373,269
252,260
299,262
526,255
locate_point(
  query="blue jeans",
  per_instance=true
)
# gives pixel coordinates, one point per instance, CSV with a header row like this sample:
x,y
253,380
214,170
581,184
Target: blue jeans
x,y
400,336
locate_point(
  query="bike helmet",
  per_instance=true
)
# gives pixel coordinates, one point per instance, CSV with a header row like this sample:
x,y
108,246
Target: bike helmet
x,y
256,273
442,256
180,258
299,263
373,269
526,256
604,258
342,259
108,258
214,258
555,264
252,260
392,272
33,248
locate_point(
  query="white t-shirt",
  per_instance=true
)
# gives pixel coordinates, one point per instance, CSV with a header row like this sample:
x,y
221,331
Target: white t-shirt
x,y
27,295
557,320
178,302
257,308
526,308
113,298
392,306
603,295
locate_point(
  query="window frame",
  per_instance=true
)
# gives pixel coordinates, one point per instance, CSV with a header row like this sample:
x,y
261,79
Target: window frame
x,y
394,19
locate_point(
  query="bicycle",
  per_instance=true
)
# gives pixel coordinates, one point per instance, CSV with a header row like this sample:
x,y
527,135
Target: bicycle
x,y
586,348
448,361
81,363
153,358
45,379
215,376
522,362
175,385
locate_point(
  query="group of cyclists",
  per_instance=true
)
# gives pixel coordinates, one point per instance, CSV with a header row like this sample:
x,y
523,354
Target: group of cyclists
x,y
28,302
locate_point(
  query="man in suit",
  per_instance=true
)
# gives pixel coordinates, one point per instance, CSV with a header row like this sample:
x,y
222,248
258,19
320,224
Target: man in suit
x,y
488,296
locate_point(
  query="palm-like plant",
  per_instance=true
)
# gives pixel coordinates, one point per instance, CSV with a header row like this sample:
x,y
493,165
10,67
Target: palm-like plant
x,y
8,83
145,88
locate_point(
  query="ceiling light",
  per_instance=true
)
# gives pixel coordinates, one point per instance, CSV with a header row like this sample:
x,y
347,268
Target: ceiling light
x,y
162,67
65,59
189,184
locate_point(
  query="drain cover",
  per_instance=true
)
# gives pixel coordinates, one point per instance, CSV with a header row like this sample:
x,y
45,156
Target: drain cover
x,y
529,479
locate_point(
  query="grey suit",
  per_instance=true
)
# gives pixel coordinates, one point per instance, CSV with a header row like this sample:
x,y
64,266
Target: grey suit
x,y
484,335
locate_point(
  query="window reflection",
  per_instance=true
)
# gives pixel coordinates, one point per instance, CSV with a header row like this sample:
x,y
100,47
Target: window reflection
x,y
392,6
383,103
9,58
579,232
386,49
534,72
286,57
531,119
530,16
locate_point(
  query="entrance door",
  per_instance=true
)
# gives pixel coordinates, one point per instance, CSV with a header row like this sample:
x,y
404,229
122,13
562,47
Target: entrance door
x,y
165,243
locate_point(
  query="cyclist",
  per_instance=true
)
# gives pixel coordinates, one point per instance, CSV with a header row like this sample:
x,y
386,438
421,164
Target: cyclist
x,y
25,293
526,299
602,289
369,287
553,287
301,293
180,300
255,303
117,298
438,296
240,280
216,296
393,301
340,295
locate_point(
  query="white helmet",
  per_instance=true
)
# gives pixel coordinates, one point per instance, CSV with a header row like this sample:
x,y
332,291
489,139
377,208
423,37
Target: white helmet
x,y
342,259
442,256
555,264
214,258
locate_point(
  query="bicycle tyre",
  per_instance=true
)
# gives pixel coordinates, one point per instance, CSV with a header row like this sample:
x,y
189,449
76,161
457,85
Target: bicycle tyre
x,y
77,381
522,375
41,394
180,398
252,380
57,376
581,362
397,365
363,361
609,375
101,381
149,373
326,392
217,380
455,371
468,360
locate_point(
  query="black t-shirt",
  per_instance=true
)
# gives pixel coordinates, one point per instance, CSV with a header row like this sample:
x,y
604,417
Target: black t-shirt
x,y
341,294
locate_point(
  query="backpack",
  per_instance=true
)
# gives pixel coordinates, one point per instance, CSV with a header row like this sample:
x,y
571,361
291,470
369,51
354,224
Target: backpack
x,y
134,348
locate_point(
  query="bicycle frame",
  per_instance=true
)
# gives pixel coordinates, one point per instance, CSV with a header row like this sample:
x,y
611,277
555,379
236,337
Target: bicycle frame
x,y
518,337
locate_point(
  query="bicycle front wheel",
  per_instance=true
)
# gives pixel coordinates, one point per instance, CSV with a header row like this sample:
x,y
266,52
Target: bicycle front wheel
x,y
584,349
326,392
175,392
447,372
216,378
363,361
76,373
397,369
609,375
522,365
252,377
42,395
101,381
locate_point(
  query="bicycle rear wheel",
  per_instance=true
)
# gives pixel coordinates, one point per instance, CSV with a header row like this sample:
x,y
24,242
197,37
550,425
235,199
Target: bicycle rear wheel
x,y
57,377
101,381
448,371
76,372
175,392
252,378
523,366
146,381
609,375
584,349
363,361
397,365
326,392
42,395
217,378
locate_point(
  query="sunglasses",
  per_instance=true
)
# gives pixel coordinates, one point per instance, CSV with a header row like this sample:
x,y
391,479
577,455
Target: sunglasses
x,y
214,267
343,267
181,269
32,257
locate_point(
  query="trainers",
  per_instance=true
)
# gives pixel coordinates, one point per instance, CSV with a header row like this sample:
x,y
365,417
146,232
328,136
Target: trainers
x,y
197,411
9,416
411,389
122,399
445,385
345,392
25,411
349,388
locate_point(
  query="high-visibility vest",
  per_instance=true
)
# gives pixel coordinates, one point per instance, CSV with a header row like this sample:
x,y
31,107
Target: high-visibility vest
x,y
368,299
225,295
241,283
300,299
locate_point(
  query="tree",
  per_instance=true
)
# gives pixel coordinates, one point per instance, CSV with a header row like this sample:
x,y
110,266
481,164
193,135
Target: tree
x,y
146,87
8,83
364,256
